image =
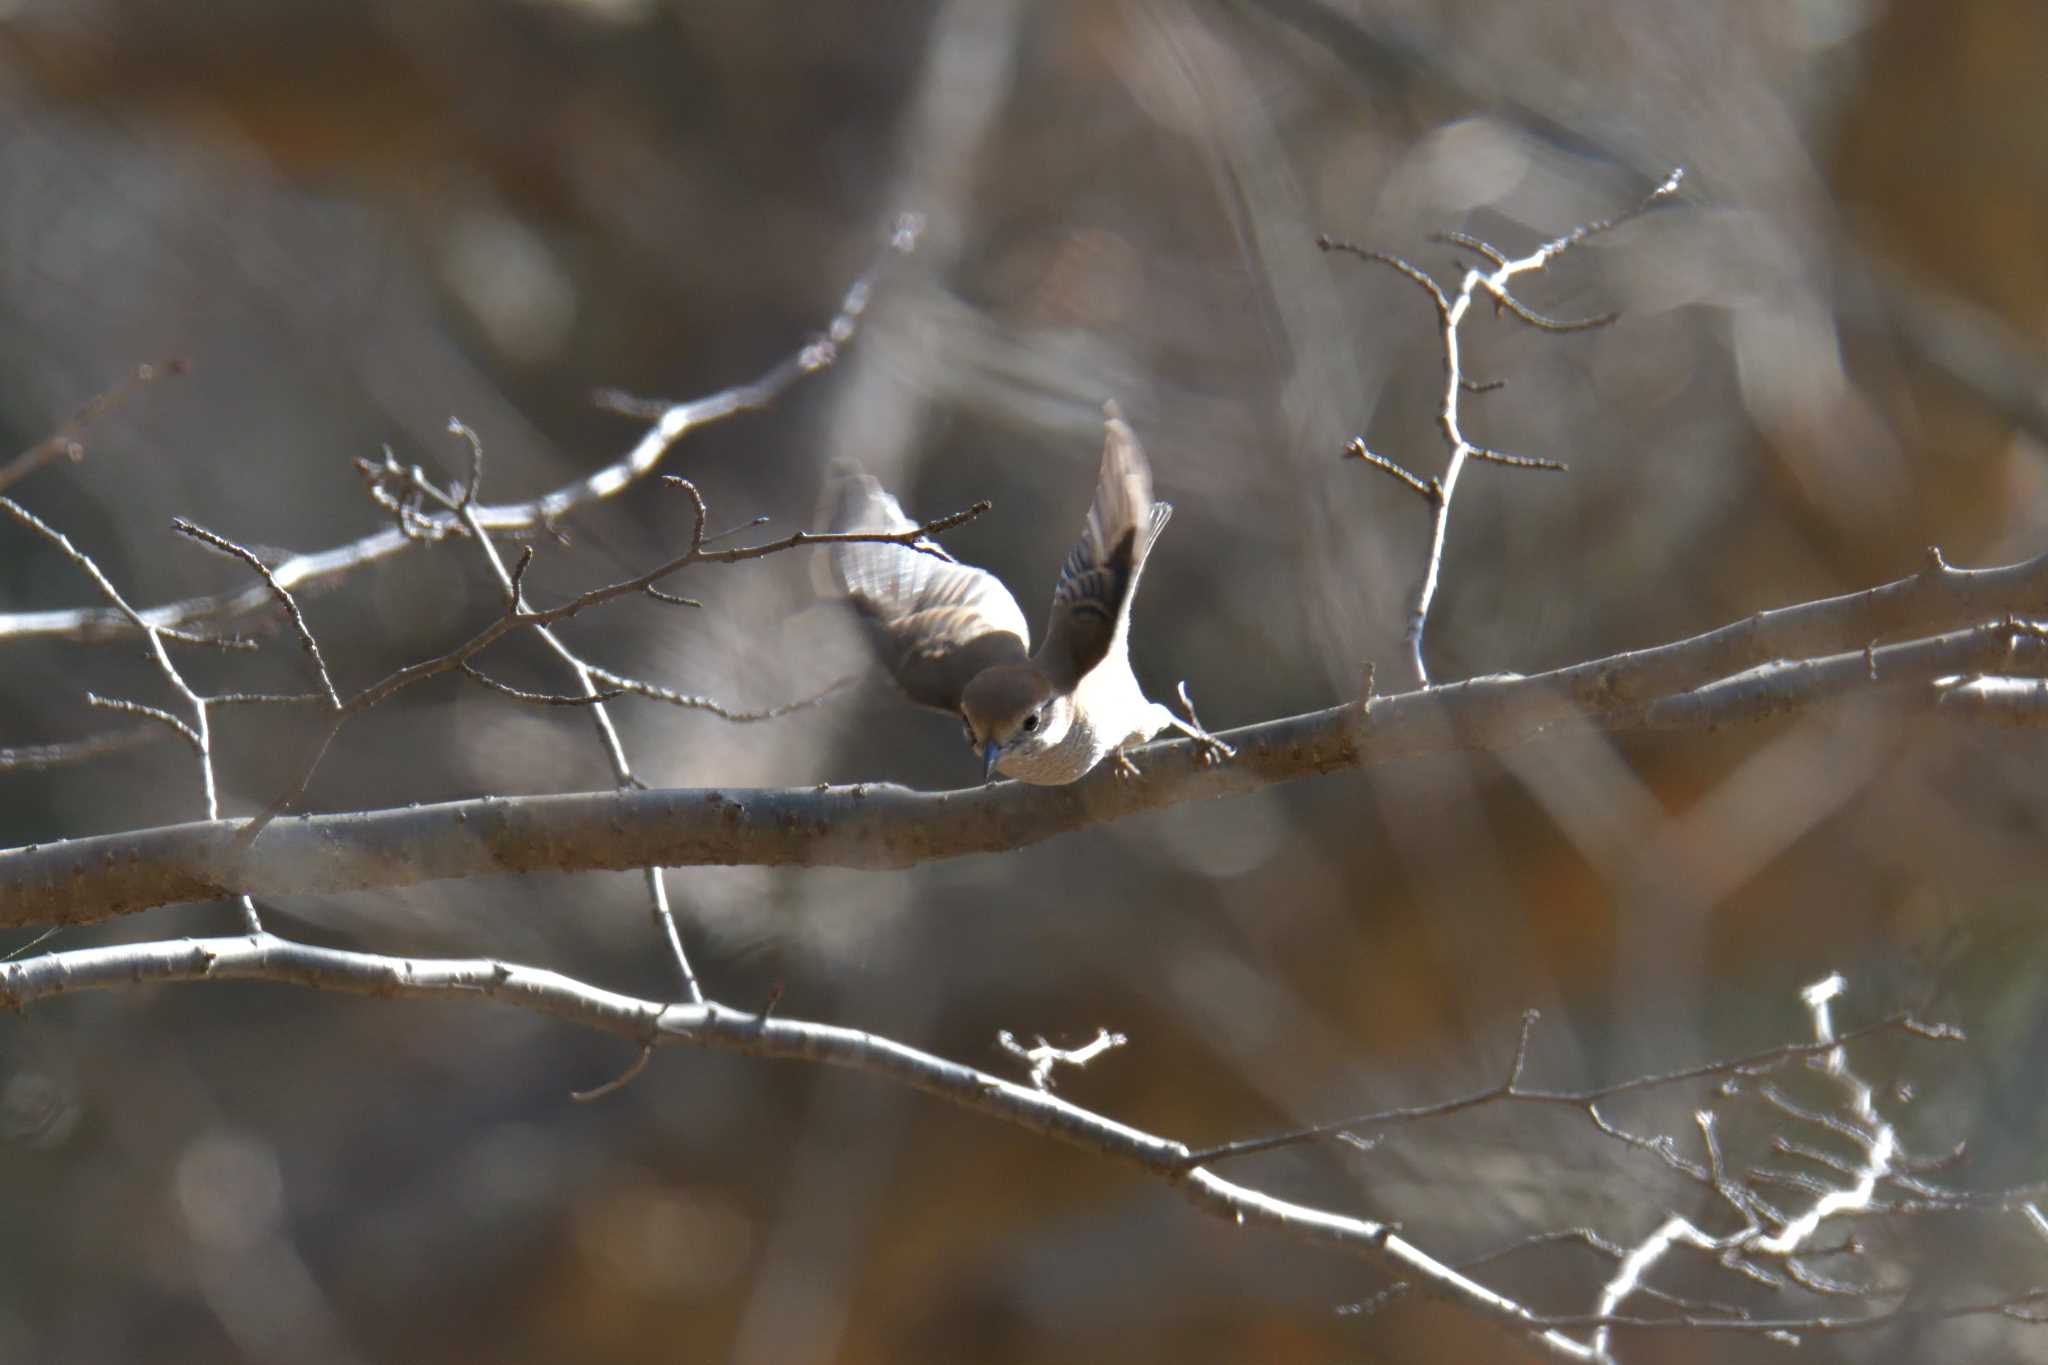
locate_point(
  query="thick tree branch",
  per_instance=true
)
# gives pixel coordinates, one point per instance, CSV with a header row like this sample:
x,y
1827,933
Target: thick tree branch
x,y
1695,683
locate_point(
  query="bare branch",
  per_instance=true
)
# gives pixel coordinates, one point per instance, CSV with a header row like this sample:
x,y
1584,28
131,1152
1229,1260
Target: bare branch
x,y
512,581
291,606
690,701
915,538
1502,299
155,714
652,1024
1414,274
517,616
729,532
1510,1088
264,957
198,731
1427,489
476,674
887,826
1043,1057
673,422
263,698
1517,461
1544,323
618,1082
1924,667
1451,313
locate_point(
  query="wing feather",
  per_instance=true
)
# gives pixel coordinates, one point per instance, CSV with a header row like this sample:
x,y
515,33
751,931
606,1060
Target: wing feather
x,y
934,622
1091,603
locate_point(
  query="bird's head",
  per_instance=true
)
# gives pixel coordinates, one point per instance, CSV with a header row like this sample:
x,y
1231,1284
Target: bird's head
x,y
1014,709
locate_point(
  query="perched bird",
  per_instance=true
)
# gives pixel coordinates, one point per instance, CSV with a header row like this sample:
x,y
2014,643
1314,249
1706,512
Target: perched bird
x,y
955,639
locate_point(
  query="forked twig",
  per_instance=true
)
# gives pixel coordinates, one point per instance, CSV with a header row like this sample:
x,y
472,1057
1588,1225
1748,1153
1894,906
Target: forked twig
x,y
1451,310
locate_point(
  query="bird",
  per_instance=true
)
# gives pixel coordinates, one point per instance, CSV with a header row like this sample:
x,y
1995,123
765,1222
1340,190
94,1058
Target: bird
x,y
955,640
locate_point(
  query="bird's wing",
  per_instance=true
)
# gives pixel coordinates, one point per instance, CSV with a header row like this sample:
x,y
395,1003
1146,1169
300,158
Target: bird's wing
x,y
935,622
1092,601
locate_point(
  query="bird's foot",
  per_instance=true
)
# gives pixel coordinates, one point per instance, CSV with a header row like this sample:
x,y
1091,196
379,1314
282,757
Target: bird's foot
x,y
1120,763
1209,750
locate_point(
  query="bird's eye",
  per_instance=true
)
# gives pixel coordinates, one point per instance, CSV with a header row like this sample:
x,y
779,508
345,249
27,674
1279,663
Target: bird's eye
x,y
1031,722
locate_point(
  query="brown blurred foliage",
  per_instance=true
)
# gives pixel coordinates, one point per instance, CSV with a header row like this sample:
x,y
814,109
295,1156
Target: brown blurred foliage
x,y
355,221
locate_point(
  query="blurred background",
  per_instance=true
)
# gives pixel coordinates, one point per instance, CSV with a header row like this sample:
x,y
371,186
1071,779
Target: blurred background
x,y
351,223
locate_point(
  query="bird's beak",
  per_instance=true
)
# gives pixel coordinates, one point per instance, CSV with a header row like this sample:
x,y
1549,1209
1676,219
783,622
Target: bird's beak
x,y
988,762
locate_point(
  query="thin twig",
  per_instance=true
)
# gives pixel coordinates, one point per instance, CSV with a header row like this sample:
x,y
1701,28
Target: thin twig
x,y
1043,1058
690,701
618,1082
155,714
263,698
198,731
1516,461
476,674
38,941
1427,489
1510,1087
291,606
912,538
517,618
512,581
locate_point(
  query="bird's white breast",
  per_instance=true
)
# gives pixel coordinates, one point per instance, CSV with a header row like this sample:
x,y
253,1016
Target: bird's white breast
x,y
1110,710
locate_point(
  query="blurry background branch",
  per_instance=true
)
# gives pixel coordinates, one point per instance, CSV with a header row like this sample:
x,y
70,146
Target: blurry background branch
x,y
66,442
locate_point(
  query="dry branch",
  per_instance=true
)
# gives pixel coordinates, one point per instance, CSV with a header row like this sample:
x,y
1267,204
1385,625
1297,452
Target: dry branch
x,y
652,1023
517,615
1452,310
1033,1107
1704,681
512,582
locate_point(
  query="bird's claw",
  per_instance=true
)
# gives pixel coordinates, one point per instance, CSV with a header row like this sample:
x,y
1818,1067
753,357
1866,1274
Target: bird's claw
x,y
1209,750
1120,763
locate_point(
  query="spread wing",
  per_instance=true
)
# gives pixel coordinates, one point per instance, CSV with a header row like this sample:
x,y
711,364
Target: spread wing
x,y
1091,604
934,621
